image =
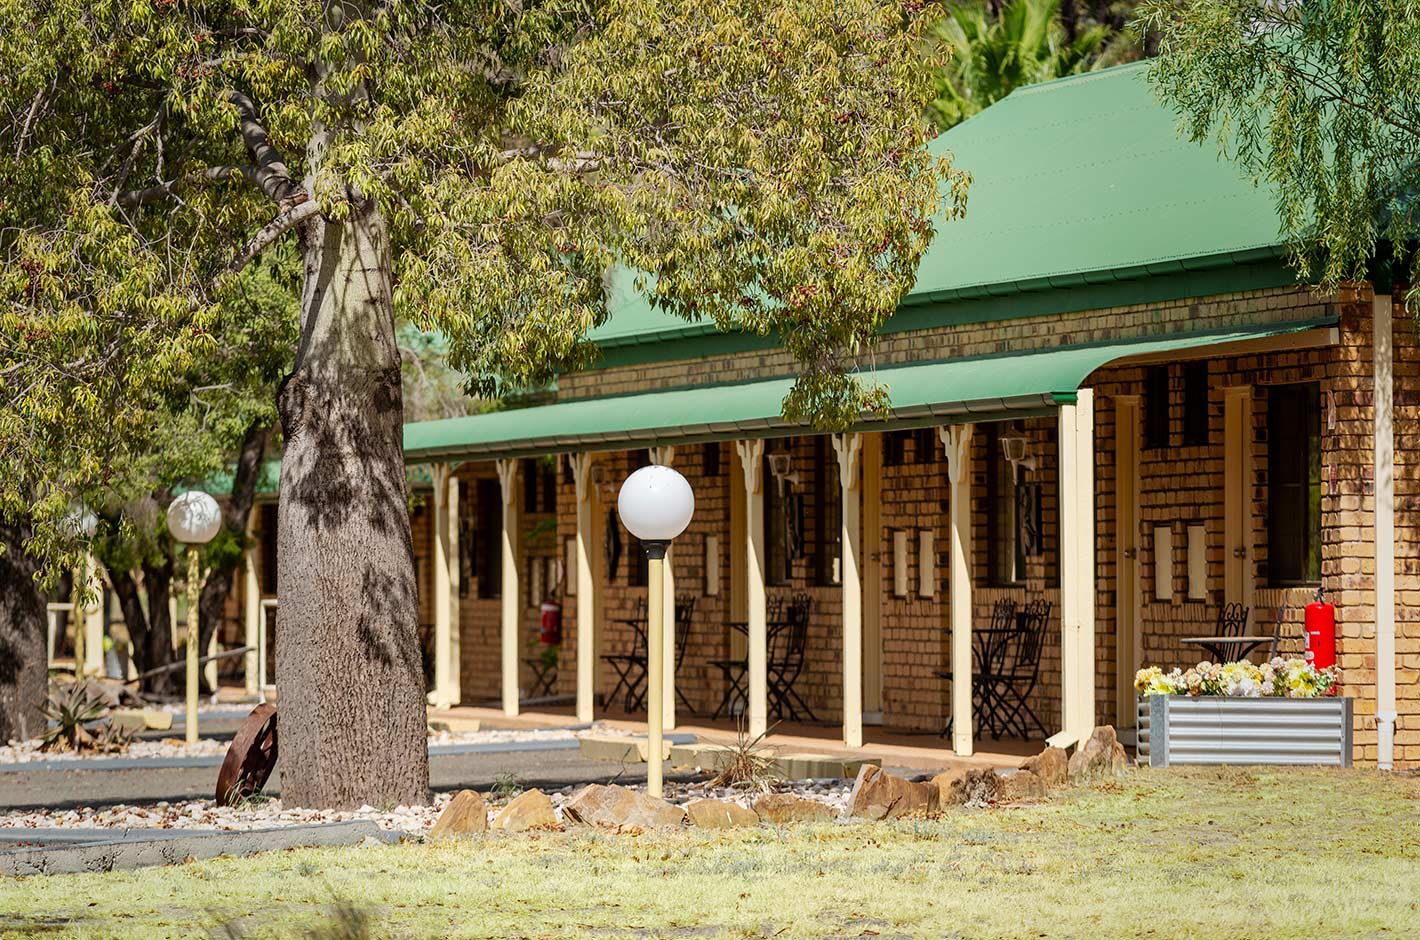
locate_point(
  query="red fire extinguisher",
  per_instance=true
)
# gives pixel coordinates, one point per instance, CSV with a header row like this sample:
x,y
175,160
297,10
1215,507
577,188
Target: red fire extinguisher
x,y
551,634
1321,633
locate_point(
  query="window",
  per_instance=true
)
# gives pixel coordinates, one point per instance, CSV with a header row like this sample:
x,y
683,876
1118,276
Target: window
x,y
268,548
776,529
1294,484
828,514
894,446
924,445
539,485
1195,403
1156,407
1007,553
710,459
488,536
638,570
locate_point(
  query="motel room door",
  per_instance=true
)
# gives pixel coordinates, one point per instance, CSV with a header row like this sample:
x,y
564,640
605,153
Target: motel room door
x,y
1129,634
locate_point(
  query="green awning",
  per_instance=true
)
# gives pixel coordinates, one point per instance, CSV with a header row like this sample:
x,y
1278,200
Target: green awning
x,y
982,388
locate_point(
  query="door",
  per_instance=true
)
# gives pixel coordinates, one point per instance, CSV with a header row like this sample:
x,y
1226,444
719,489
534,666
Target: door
x,y
1129,632
872,544
1237,507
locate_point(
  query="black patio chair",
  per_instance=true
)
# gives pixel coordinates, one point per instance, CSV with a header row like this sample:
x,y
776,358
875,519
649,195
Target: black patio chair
x,y
786,662
630,667
684,611
1020,672
734,672
1232,620
988,651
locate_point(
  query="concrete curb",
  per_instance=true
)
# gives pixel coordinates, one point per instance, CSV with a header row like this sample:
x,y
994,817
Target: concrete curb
x,y
128,849
215,760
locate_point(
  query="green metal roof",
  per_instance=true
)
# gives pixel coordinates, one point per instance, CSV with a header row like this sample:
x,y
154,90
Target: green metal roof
x,y
1080,181
954,391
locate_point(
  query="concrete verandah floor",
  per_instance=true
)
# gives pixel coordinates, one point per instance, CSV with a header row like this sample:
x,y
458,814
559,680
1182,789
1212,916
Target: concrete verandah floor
x,y
916,750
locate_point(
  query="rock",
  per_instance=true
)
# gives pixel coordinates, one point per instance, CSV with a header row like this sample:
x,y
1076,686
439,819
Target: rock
x,y
600,805
465,814
975,787
1021,785
780,808
1051,766
530,809
136,720
878,794
1099,757
944,782
720,814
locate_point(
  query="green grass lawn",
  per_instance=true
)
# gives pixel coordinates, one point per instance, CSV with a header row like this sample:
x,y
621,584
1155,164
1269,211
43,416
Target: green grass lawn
x,y
1214,854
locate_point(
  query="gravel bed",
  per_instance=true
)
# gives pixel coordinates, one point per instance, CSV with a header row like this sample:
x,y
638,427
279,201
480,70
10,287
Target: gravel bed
x,y
411,820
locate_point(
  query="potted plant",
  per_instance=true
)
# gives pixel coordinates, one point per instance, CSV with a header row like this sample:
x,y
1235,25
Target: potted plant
x,y
1281,712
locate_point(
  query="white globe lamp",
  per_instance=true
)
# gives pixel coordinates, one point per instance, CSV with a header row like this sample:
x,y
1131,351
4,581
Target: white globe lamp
x,y
194,518
655,505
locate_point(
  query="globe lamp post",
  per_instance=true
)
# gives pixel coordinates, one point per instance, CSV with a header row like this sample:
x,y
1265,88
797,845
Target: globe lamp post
x,y
655,505
193,519
80,523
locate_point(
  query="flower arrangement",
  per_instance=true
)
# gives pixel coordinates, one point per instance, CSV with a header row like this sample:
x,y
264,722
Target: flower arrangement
x,y
1282,677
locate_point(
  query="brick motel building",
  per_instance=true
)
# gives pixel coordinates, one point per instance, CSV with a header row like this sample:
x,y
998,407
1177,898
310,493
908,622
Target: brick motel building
x,y
1112,403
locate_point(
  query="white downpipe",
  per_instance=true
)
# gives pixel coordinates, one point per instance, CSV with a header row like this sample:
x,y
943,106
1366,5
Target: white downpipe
x,y
1384,532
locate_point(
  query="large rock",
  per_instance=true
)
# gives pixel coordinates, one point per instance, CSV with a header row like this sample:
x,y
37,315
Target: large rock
x,y
947,779
878,794
528,810
975,787
1021,785
466,814
780,808
601,805
1051,765
1100,757
720,814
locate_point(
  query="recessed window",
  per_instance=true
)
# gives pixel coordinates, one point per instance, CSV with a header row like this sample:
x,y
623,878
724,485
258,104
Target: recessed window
x,y
488,553
828,514
894,448
710,459
1004,543
1294,484
638,569
925,448
1156,407
1195,403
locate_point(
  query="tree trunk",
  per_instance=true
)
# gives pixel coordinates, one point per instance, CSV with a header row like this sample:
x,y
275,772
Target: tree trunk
x,y
349,674
150,636
24,662
218,586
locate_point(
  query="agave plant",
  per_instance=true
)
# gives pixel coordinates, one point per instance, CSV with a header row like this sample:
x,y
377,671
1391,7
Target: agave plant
x,y
72,708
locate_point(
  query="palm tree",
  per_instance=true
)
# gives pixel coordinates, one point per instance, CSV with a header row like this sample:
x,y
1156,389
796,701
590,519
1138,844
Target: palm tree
x,y
991,55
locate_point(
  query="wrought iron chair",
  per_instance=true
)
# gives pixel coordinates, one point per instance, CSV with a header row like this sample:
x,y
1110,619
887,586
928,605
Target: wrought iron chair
x,y
1021,672
786,662
630,667
1232,620
684,611
988,650
735,671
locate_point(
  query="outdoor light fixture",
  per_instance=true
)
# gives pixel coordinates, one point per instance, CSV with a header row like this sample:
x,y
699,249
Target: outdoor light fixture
x,y
781,468
655,505
193,519
1014,449
79,522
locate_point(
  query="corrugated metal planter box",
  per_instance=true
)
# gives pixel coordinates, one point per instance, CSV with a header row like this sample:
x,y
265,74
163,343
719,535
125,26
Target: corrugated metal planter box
x,y
1217,729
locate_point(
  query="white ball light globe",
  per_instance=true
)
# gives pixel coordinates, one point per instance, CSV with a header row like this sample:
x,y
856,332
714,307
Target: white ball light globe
x,y
194,518
655,504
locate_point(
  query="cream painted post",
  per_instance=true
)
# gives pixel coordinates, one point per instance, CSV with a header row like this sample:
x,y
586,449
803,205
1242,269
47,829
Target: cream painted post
x,y
251,615
445,559
848,447
1077,565
752,464
586,590
1381,311
957,442
665,456
94,624
508,479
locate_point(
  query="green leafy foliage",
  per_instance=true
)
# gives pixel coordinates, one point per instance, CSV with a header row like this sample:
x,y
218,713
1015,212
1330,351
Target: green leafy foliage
x,y
990,55
1319,102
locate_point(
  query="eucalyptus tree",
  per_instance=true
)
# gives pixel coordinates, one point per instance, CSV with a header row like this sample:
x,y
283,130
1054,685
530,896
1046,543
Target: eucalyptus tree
x,y
1319,102
478,166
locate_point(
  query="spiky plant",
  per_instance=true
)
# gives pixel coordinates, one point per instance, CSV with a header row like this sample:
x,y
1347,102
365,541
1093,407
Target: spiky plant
x,y
72,708
750,765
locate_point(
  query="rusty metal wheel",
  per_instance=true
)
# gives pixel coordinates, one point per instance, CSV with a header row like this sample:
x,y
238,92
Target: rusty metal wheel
x,y
251,758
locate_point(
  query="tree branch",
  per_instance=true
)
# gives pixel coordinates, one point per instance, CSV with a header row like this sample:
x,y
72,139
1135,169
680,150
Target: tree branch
x,y
137,197
273,230
271,173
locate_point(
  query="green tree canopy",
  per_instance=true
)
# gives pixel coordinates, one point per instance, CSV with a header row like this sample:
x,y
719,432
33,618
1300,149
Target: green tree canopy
x,y
1319,102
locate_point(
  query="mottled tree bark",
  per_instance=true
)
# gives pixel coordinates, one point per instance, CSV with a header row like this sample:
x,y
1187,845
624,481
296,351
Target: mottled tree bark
x,y
349,673
218,586
24,666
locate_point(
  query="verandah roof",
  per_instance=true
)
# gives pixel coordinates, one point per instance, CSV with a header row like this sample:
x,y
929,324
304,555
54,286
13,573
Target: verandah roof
x,y
981,388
